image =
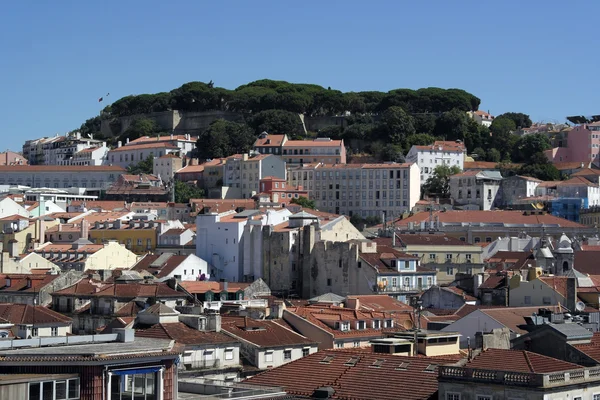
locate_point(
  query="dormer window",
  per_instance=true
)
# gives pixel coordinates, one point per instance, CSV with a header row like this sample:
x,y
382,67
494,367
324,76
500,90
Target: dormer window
x,y
7,282
344,326
388,323
376,324
361,325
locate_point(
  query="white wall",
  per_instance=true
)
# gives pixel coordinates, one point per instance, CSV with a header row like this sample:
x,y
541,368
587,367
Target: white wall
x,y
472,323
10,207
191,268
200,356
277,355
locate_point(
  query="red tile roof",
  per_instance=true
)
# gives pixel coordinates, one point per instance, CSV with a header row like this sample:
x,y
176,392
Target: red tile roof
x,y
154,145
376,260
440,145
429,239
587,172
274,141
200,287
263,333
356,375
514,317
518,361
24,283
130,309
133,290
592,349
164,269
313,143
379,302
587,262
558,283
489,217
25,314
60,168
494,282
220,206
85,286
183,334
324,316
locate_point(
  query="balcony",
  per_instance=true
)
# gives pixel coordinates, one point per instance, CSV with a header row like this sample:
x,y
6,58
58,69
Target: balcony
x,y
544,380
401,289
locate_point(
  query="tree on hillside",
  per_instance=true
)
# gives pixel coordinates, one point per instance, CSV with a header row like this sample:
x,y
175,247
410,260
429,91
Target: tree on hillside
x,y
528,145
143,167
185,192
275,122
304,202
397,125
521,120
502,129
538,166
454,125
138,128
439,183
493,155
224,138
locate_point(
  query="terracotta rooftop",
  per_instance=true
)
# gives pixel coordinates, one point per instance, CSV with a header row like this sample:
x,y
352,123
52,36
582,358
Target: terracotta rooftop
x,y
153,145
518,361
587,262
200,287
592,349
270,141
183,334
325,316
428,239
263,333
444,145
558,283
514,317
481,165
154,139
587,172
190,169
220,206
494,282
85,286
313,143
133,290
379,302
500,218
376,260
24,283
352,374
25,314
60,168
164,269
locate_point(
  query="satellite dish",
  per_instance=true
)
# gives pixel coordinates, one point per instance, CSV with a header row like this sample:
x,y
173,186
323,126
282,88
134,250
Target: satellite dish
x,y
580,306
4,334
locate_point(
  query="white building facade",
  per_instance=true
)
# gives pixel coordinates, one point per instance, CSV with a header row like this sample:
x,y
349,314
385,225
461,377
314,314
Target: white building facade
x,y
242,173
67,176
476,189
365,189
220,240
439,153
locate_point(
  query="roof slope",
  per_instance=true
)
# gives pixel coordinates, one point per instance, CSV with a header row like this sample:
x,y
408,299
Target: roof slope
x,y
263,333
181,333
27,314
354,374
519,361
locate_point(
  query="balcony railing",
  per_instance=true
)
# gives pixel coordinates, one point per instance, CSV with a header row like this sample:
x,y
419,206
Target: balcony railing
x,y
545,380
401,288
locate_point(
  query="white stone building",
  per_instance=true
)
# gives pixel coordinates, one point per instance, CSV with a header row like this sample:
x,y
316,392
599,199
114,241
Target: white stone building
x,y
517,187
131,154
55,176
90,156
59,150
221,241
481,117
366,189
477,190
439,153
242,173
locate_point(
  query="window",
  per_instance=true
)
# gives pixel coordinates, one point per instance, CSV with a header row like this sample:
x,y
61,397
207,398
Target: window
x,y
345,326
139,242
357,343
339,345
328,281
452,396
54,331
448,256
546,300
229,354
305,352
483,397
432,256
527,300
287,355
34,332
269,356
596,397
449,271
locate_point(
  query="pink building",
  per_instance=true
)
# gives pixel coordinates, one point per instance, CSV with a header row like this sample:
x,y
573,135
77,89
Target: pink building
x,y
583,146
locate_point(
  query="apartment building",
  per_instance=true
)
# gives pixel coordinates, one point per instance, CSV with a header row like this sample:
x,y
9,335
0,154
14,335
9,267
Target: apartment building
x,y
58,150
54,176
166,166
322,150
90,156
439,153
242,174
478,190
368,189
131,154
185,143
583,145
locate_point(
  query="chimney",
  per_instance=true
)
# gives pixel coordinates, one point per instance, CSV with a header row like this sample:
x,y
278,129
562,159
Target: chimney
x,y
85,229
13,248
60,226
158,138
127,141
571,294
245,157
41,231
171,136
213,322
119,144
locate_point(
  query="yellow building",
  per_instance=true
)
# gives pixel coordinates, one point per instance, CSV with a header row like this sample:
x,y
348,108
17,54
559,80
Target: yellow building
x,y
20,240
448,255
139,237
81,255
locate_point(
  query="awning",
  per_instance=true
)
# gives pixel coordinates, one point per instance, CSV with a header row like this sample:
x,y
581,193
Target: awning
x,y
135,371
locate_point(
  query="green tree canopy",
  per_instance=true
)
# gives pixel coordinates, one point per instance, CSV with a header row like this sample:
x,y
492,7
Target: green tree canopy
x,y
438,183
521,120
145,166
397,125
275,122
538,166
455,125
184,192
138,128
224,138
528,145
304,202
502,129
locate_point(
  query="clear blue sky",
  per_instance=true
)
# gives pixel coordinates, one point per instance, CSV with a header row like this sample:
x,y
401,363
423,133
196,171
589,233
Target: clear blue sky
x,y
58,57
